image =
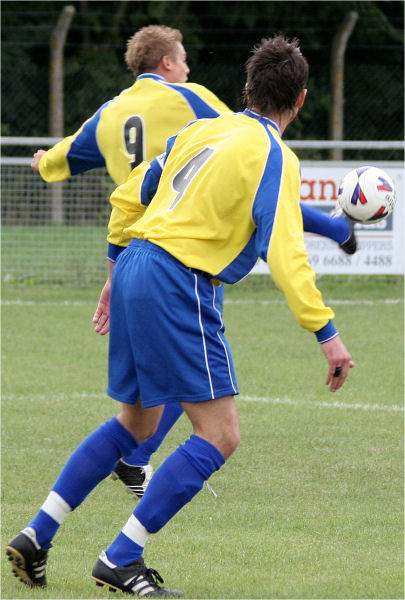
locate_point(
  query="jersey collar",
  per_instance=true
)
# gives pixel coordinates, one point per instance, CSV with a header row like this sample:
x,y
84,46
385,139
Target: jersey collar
x,y
264,120
151,76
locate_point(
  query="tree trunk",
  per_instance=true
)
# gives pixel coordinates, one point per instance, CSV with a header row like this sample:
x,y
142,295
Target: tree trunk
x,y
119,13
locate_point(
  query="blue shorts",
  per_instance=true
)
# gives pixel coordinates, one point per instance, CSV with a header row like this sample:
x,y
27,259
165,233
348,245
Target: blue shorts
x,y
167,340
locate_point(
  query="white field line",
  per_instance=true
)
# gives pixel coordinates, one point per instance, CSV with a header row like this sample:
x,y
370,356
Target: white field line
x,y
284,401
324,404
17,302
329,302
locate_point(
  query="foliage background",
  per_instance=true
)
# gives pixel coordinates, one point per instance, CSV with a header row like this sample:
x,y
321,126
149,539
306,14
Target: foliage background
x,y
218,37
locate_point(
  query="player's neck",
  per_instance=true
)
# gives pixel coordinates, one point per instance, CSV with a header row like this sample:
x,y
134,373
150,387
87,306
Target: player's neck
x,y
281,119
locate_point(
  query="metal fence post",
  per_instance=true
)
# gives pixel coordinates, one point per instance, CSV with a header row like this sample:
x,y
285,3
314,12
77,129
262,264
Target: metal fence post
x,y
336,115
57,44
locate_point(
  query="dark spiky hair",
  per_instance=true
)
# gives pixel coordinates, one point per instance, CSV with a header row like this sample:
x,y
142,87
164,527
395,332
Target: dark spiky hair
x,y
277,72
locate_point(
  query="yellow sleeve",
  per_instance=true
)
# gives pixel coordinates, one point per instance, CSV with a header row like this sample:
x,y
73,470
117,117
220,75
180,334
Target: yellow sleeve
x,y
288,259
209,97
53,165
126,206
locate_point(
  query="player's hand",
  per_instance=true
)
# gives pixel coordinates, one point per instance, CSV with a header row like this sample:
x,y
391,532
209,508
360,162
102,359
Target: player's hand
x,y
35,160
339,361
102,314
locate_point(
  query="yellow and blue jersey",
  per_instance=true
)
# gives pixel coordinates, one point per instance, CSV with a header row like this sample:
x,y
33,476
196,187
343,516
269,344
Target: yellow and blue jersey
x,y
228,194
132,127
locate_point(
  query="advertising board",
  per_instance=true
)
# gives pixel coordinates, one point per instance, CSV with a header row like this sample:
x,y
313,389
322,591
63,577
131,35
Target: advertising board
x,y
380,246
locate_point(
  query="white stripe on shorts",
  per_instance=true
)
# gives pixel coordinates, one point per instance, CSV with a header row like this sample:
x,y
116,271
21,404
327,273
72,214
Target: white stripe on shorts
x,y
222,341
203,335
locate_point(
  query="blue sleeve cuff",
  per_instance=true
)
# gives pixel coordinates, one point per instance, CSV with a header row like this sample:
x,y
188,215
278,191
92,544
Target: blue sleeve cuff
x,y
114,251
326,333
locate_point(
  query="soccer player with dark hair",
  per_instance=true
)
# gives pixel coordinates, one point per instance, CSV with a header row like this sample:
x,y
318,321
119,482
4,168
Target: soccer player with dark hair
x,y
132,127
225,193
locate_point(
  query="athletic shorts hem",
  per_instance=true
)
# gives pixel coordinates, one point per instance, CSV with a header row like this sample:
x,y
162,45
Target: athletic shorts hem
x,y
120,398
169,400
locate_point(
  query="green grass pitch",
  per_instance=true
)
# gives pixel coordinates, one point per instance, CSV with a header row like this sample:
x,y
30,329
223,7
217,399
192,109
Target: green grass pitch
x,y
309,506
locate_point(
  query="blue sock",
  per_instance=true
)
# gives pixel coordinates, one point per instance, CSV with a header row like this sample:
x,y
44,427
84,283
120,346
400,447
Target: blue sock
x,y
173,485
123,551
89,464
177,481
141,456
316,221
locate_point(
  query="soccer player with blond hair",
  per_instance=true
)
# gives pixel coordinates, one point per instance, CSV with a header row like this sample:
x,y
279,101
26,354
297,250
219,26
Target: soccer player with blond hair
x,y
132,127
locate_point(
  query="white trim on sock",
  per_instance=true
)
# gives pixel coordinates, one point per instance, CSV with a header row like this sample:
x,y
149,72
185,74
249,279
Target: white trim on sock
x,y
56,507
136,531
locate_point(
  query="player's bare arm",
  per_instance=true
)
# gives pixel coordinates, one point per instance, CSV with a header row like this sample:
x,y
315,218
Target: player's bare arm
x,y
339,361
35,160
102,315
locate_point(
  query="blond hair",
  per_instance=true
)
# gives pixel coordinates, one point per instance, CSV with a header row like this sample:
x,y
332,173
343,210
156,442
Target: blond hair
x,y
147,46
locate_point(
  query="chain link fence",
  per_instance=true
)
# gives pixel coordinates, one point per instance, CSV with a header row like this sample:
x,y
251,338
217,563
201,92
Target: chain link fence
x,y
56,233
36,247
70,249
373,109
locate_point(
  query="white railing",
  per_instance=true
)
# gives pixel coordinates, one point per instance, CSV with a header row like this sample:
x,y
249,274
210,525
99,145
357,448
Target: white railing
x,y
303,144
71,248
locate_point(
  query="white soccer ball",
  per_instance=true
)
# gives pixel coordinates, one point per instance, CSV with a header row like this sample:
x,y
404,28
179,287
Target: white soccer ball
x,y
367,195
